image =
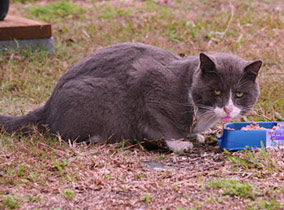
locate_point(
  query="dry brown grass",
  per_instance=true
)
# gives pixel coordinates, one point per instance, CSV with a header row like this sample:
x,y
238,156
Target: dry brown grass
x,y
41,172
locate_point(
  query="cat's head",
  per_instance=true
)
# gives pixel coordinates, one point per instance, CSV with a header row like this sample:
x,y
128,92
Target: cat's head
x,y
225,87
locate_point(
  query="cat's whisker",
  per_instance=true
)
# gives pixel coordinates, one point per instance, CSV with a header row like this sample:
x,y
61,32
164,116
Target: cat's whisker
x,y
200,106
207,115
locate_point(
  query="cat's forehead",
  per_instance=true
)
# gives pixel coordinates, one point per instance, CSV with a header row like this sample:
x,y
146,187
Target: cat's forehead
x,y
227,62
230,68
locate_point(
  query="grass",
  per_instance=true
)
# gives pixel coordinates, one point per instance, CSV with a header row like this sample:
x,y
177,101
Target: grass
x,y
57,10
69,194
234,188
259,159
148,198
10,202
39,171
261,204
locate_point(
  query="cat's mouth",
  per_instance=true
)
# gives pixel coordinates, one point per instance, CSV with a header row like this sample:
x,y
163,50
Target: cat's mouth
x,y
226,119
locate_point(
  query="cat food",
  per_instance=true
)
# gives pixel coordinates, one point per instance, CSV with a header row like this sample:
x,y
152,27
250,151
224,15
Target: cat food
x,y
255,126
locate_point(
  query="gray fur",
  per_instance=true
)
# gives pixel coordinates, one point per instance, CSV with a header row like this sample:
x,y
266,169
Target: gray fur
x,y
136,91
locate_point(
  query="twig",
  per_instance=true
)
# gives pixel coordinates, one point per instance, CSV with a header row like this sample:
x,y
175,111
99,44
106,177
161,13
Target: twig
x,y
230,20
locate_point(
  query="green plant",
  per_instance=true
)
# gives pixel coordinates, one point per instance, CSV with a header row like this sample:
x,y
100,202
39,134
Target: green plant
x,y
58,165
112,12
175,186
148,198
262,204
21,170
141,176
55,10
234,188
69,194
109,177
162,157
259,159
32,198
10,202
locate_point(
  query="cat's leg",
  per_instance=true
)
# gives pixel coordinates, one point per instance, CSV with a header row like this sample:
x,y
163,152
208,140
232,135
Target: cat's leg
x,y
96,139
196,136
200,138
179,145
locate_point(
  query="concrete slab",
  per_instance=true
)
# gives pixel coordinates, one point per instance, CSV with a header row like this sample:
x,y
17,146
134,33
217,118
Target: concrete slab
x,y
47,44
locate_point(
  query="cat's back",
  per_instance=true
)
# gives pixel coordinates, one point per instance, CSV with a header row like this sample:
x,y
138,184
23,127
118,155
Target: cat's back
x,y
117,59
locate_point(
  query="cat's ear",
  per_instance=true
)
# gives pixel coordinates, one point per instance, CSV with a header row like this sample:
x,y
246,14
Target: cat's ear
x,y
252,69
206,63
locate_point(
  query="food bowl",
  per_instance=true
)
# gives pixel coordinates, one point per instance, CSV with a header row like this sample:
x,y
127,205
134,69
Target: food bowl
x,y
234,138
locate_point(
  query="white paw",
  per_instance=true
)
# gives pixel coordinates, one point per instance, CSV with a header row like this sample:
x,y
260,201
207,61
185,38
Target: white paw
x,y
200,138
96,139
179,146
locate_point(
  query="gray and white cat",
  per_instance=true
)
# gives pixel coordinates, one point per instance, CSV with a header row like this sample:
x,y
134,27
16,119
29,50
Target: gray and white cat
x,y
136,91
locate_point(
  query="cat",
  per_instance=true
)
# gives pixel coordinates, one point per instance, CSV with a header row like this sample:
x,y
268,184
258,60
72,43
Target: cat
x,y
137,91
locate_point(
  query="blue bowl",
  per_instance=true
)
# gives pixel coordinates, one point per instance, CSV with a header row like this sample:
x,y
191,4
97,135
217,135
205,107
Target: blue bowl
x,y
237,139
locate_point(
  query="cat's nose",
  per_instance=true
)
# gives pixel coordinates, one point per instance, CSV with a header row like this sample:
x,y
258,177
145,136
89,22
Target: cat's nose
x,y
228,109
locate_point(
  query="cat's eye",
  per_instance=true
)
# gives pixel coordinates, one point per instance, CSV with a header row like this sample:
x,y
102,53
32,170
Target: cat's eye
x,y
239,94
217,92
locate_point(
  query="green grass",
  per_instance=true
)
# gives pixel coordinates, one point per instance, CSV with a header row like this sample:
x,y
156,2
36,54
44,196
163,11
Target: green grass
x,y
10,202
57,10
234,188
254,159
15,201
148,198
69,194
261,204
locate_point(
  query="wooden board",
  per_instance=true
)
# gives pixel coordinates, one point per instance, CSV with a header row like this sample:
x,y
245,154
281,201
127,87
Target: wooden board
x,y
15,27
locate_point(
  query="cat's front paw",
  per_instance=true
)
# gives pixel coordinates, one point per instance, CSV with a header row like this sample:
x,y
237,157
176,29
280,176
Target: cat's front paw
x,y
197,137
200,138
179,145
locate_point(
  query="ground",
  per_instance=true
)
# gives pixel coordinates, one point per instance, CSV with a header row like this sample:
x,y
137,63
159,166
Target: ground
x,y
40,171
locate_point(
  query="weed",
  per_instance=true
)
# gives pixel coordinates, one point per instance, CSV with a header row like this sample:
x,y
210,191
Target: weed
x,y
55,10
261,204
141,176
214,199
122,147
58,165
162,157
112,12
21,170
33,176
234,188
109,177
197,203
24,180
175,186
69,194
10,202
32,198
245,162
148,198
259,159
